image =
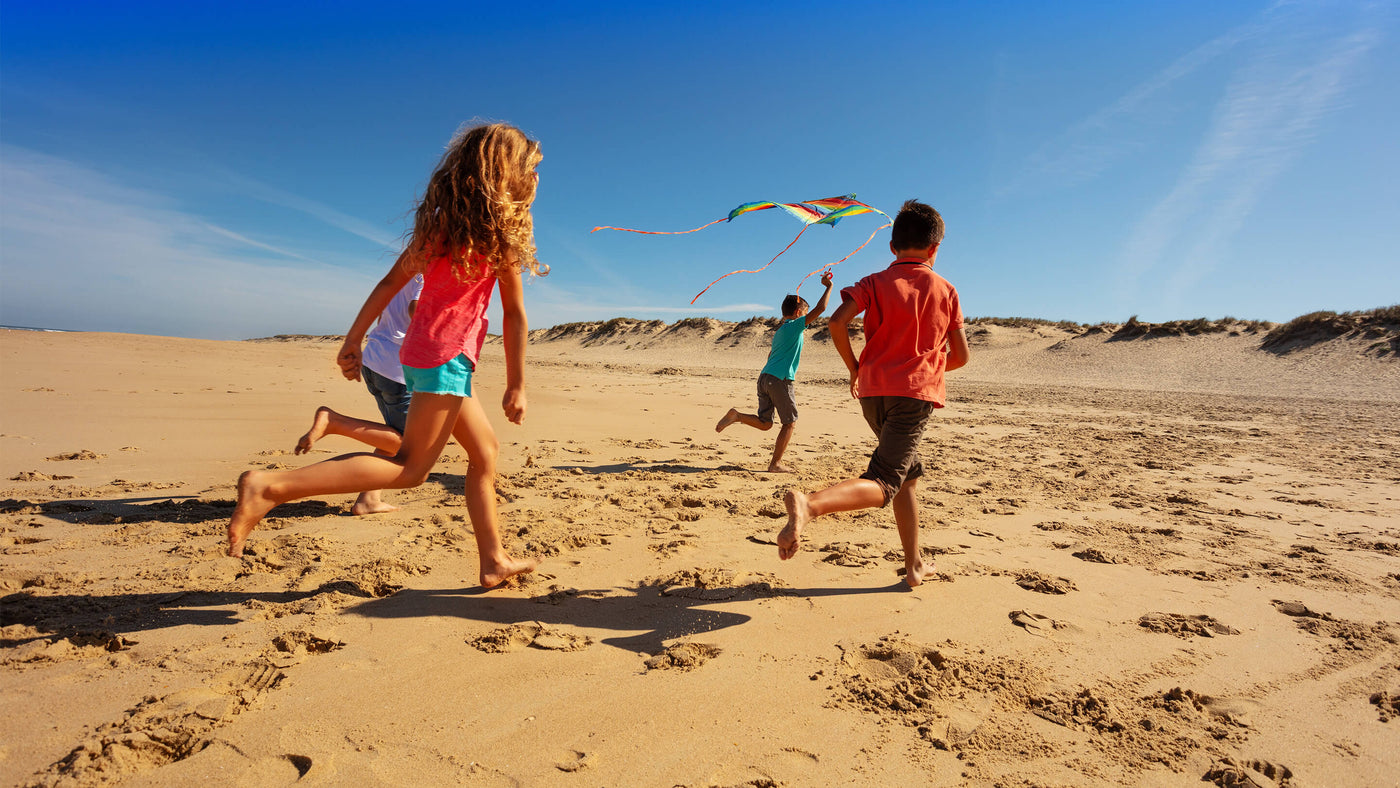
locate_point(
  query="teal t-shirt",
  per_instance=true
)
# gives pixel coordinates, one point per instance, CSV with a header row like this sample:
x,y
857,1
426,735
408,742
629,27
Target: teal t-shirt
x,y
787,349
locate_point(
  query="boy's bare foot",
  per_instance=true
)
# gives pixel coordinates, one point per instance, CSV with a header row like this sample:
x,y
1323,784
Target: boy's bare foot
x,y
790,538
916,571
319,422
729,418
253,503
370,503
778,467
493,573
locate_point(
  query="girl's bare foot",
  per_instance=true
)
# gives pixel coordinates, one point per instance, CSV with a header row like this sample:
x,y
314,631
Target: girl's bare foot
x,y
729,418
495,572
253,503
916,571
778,467
370,503
790,538
319,423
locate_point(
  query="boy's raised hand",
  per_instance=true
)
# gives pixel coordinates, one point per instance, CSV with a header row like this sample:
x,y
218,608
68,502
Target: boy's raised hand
x,y
827,279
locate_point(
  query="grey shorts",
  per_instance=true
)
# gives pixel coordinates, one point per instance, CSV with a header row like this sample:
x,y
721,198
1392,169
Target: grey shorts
x,y
391,396
900,422
775,393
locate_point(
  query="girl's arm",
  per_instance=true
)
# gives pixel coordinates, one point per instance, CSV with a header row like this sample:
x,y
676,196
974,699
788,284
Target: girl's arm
x,y
513,332
349,356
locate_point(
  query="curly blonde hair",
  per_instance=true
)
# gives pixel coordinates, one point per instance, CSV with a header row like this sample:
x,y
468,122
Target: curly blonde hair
x,y
478,203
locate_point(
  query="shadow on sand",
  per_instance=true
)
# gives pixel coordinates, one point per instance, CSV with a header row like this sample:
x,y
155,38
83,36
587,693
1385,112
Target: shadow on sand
x,y
643,617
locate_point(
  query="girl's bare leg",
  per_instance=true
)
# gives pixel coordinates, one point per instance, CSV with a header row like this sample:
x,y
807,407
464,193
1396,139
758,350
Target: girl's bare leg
x,y
845,496
474,433
431,418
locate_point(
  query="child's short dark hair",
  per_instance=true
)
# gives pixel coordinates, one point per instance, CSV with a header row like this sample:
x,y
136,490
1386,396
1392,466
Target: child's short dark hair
x,y
917,226
791,303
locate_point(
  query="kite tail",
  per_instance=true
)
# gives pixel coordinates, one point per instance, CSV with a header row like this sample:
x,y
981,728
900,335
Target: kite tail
x,y
659,232
756,270
830,266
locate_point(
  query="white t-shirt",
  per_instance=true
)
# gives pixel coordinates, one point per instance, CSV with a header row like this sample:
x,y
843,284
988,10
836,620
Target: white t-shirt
x,y
381,352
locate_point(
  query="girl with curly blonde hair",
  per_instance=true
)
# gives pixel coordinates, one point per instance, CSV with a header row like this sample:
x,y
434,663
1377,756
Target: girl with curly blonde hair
x,y
472,231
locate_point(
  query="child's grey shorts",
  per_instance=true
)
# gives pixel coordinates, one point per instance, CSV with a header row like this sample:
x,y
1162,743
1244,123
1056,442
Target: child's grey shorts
x,y
775,393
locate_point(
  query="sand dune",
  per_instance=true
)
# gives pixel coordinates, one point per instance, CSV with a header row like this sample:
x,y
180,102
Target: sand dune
x,y
1164,557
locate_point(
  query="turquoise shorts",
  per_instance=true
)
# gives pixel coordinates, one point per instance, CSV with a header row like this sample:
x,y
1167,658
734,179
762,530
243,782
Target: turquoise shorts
x,y
454,377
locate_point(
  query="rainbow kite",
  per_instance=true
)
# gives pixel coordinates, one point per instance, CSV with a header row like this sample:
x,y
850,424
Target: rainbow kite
x,y
829,211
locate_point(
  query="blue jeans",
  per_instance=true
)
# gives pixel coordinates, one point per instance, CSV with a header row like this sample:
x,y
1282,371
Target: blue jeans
x,y
391,396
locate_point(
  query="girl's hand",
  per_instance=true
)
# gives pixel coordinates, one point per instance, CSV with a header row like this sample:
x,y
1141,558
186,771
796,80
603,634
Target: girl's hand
x,y
827,278
514,405
349,362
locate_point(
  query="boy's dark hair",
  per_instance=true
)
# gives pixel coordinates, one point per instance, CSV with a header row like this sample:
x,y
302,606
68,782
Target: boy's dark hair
x,y
917,226
791,303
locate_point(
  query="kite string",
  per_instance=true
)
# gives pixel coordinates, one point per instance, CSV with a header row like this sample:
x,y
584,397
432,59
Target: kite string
x,y
756,270
830,266
659,232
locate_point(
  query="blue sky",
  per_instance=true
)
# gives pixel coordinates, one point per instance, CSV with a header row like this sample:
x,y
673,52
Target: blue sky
x,y
229,170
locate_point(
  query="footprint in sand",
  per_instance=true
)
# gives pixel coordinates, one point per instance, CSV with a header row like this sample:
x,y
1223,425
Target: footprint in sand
x,y
530,634
683,656
1037,624
76,455
1184,626
1230,773
1044,584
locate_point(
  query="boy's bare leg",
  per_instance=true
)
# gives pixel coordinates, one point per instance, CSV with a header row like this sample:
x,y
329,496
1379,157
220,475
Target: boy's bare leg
x,y
906,519
845,496
780,446
328,422
430,420
734,416
474,433
369,502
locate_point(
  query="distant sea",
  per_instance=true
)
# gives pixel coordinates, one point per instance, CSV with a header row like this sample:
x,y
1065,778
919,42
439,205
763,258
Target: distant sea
x,y
31,328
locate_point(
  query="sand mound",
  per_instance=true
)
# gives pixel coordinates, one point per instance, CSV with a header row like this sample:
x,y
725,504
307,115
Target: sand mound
x,y
1380,328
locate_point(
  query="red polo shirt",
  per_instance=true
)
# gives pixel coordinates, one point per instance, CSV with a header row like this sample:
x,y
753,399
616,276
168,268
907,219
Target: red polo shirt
x,y
909,313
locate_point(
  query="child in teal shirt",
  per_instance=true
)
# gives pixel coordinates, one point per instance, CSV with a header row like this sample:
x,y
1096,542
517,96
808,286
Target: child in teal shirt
x,y
775,388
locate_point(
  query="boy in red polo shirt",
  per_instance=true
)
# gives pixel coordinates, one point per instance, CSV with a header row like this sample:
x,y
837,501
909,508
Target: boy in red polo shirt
x,y
913,334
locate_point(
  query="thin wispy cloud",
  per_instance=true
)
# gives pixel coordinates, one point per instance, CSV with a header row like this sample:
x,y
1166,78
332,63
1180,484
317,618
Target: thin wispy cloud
x,y
82,251
243,239
1116,131
1272,106
251,187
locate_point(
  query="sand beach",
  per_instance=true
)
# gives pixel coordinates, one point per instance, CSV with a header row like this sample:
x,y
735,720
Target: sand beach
x,y
1166,556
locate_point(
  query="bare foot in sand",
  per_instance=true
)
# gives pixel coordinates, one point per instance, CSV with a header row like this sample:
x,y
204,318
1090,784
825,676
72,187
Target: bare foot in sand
x,y
729,418
319,422
253,503
496,572
790,538
778,467
370,503
916,572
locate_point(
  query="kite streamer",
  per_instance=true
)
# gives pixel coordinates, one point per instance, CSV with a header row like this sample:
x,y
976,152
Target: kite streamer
x,y
828,211
830,266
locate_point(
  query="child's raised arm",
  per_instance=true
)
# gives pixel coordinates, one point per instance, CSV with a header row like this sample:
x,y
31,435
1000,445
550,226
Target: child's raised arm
x,y
349,356
821,302
515,328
